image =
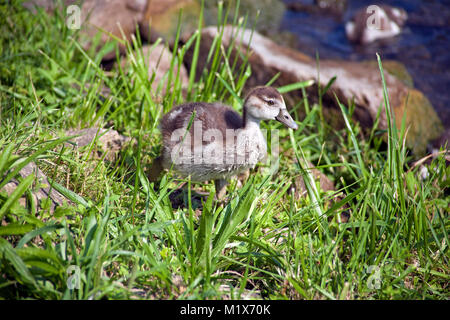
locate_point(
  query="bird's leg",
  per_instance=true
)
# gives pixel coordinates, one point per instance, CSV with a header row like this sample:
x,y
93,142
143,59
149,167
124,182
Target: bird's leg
x,y
155,170
221,188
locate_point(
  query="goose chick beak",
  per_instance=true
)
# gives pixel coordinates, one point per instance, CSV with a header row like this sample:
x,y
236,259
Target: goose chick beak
x,y
285,118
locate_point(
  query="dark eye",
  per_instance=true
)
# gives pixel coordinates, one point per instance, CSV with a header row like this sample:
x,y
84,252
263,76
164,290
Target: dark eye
x,y
270,102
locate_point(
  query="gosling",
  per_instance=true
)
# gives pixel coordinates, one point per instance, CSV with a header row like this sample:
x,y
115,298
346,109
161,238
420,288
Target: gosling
x,y
211,141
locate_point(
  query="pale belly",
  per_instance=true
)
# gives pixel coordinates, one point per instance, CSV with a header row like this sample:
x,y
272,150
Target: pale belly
x,y
216,160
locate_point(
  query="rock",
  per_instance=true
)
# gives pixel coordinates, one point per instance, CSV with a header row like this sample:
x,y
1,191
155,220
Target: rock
x,y
395,68
109,141
375,22
421,120
10,187
113,16
105,16
264,15
358,82
157,60
325,183
137,5
44,192
162,17
48,5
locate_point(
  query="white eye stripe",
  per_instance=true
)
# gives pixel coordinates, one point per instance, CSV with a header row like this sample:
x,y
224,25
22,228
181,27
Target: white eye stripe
x,y
268,100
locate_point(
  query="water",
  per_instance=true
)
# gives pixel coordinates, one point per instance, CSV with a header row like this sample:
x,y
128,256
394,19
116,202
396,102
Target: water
x,y
423,47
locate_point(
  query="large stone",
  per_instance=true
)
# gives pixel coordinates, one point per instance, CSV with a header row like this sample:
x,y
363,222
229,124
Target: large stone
x,y
160,18
325,183
395,68
47,5
39,194
264,15
157,59
113,18
108,141
422,122
358,82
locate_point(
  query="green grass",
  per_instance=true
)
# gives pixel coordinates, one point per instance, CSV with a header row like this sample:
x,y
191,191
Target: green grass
x,y
119,232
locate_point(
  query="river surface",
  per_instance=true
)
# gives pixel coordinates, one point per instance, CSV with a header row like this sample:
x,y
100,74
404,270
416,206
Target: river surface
x,y
423,46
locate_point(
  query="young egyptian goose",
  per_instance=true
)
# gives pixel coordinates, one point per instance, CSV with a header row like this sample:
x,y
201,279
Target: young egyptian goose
x,y
375,22
219,143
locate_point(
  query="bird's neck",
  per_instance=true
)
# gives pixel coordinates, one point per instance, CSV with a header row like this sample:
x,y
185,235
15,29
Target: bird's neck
x,y
249,121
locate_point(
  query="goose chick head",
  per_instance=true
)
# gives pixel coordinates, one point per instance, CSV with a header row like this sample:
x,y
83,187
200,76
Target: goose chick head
x,y
266,103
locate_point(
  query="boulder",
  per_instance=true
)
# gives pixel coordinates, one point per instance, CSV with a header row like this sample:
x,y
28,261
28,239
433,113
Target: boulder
x,y
115,17
47,5
157,59
264,15
160,18
355,81
325,183
39,194
395,68
109,141
421,119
